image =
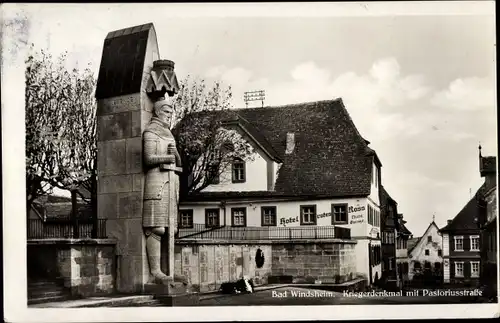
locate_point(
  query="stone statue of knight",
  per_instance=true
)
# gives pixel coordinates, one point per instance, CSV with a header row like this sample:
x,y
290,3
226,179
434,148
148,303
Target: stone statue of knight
x,y
162,167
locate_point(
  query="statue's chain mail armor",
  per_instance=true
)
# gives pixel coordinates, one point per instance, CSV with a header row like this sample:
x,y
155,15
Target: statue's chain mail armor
x,y
159,150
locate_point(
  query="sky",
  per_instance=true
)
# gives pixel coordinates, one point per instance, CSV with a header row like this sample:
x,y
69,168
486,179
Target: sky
x,y
419,83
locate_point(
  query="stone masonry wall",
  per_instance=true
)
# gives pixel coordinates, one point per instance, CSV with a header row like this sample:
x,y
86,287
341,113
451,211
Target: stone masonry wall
x,y
92,270
329,262
207,266
87,269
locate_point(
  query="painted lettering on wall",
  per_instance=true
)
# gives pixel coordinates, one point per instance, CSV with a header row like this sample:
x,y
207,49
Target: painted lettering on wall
x,y
284,221
356,218
356,209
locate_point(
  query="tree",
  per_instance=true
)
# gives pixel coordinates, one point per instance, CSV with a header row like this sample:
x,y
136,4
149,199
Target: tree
x,y
206,143
60,127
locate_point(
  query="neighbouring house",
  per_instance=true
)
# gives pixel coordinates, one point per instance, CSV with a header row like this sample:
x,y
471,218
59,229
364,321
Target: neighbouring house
x,y
388,212
461,244
311,171
402,257
426,255
51,217
488,223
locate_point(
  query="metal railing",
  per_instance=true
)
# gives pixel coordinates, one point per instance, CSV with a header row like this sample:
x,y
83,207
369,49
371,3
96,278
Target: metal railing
x,y
65,228
200,231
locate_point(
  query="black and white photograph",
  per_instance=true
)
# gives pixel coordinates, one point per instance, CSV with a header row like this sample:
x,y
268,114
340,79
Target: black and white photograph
x,y
182,159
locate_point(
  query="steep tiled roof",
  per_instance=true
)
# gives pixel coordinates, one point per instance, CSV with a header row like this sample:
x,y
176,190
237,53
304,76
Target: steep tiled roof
x,y
256,135
330,156
63,210
466,218
403,229
412,243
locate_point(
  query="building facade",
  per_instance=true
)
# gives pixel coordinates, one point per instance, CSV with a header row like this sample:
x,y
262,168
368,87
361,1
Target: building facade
x,y
488,224
461,245
388,227
402,256
310,169
427,253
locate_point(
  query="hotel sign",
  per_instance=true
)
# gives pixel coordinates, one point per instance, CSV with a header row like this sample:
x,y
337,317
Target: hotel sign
x,y
355,217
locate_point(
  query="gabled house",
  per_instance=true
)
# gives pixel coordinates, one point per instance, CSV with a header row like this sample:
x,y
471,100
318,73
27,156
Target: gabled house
x,y
488,222
311,168
426,254
461,244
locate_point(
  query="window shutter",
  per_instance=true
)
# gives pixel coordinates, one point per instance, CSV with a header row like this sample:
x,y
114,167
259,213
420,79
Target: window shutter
x,y
452,269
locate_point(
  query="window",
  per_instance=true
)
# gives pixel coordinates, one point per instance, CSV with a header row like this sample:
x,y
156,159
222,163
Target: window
x,y
440,253
459,269
307,214
429,239
474,269
239,217
474,243
437,266
268,215
370,214
238,170
459,243
212,218
186,219
426,252
339,212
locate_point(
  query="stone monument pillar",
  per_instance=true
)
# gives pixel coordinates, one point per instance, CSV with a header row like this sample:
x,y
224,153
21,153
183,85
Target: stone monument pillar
x,y
127,88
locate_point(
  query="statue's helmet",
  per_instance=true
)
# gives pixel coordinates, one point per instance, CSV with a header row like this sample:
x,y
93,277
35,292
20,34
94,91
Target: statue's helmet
x,y
164,107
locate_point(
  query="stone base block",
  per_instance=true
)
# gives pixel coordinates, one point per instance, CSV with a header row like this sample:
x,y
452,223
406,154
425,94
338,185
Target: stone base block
x,y
188,299
175,288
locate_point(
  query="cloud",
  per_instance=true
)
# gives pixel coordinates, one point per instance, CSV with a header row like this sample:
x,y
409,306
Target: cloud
x,y
381,93
466,94
240,80
385,71
310,73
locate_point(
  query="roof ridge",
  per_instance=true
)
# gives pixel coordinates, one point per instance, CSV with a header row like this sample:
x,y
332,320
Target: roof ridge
x,y
291,105
420,238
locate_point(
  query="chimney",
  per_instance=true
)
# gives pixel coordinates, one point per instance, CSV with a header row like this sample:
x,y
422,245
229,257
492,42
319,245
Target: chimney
x,y
449,222
290,142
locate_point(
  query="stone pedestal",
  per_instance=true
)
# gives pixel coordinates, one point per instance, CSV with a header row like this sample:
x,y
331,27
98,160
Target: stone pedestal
x,y
176,295
123,110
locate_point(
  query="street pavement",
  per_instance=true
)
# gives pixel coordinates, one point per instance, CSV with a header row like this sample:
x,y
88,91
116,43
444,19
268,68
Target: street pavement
x,y
306,296
272,295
